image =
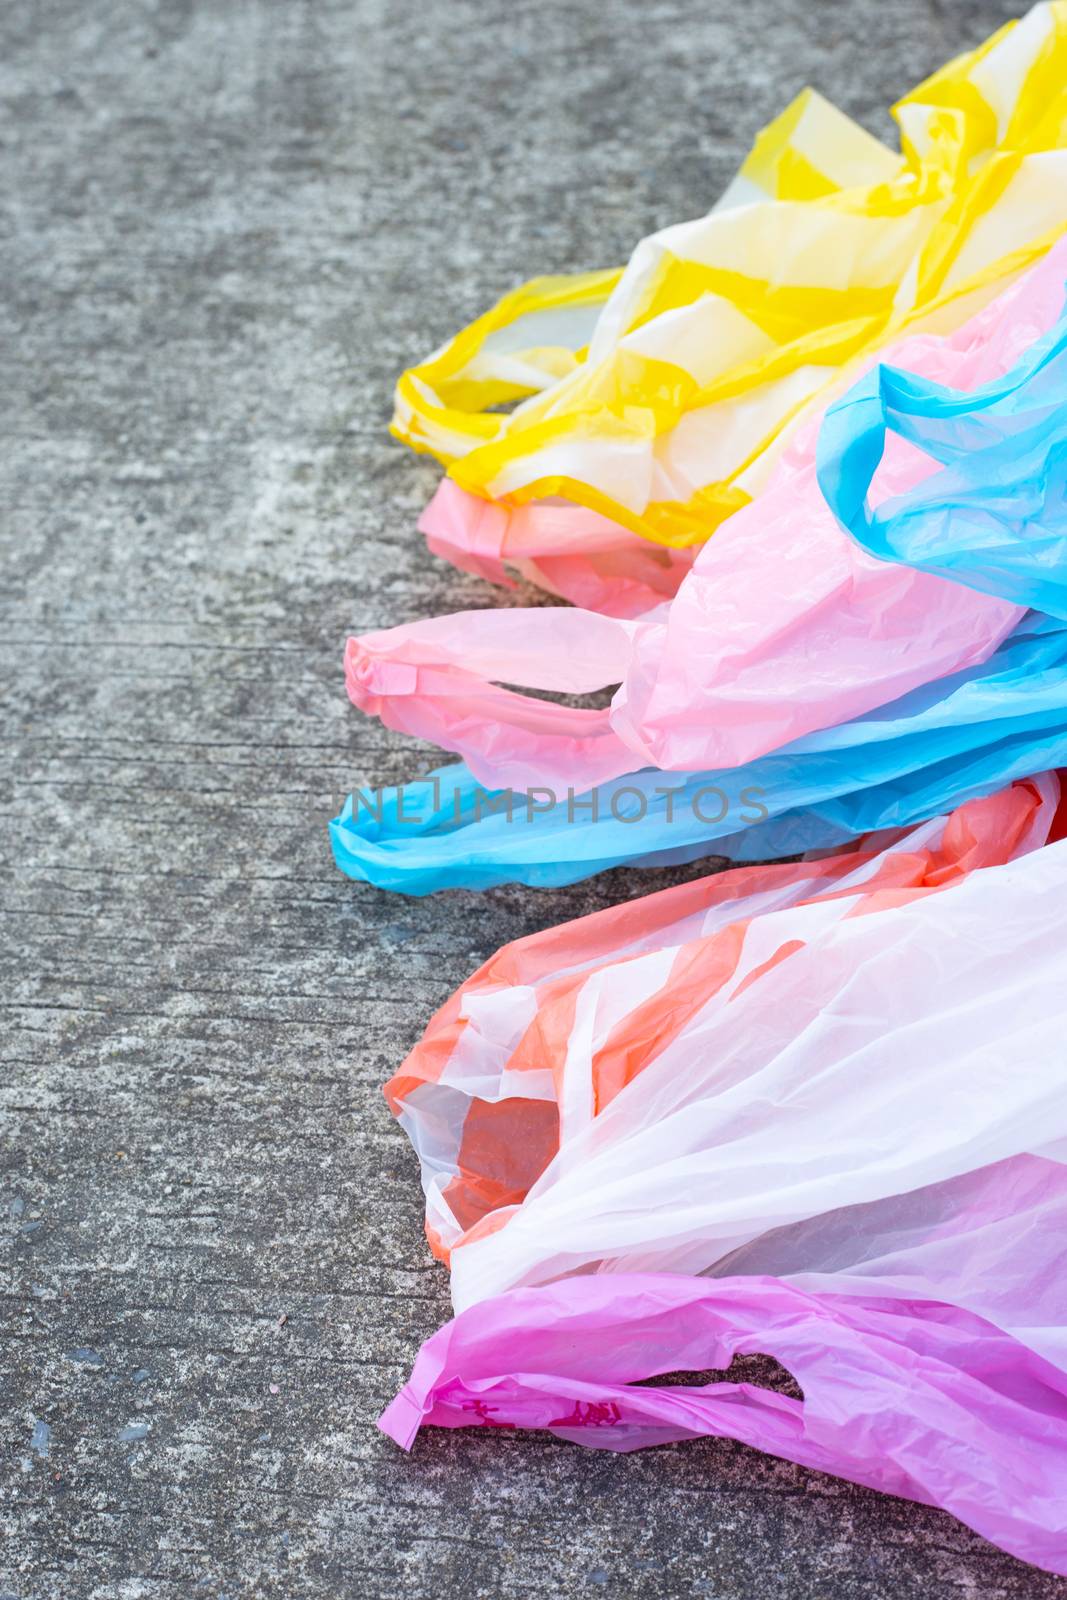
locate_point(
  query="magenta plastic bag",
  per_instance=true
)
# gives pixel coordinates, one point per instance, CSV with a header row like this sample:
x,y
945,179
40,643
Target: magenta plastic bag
x,y
912,1397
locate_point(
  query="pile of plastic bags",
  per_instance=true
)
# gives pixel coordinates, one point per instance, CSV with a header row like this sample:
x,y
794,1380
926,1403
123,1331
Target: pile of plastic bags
x,y
802,469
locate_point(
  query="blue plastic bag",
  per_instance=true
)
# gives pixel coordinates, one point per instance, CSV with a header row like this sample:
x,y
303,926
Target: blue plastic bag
x,y
995,517
951,741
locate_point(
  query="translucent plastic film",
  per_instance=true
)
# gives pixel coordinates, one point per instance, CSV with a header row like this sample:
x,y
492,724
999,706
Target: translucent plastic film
x,y
542,1042
847,1056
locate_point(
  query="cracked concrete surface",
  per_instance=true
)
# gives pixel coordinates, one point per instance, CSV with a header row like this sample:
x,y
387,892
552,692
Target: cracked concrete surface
x,y
226,228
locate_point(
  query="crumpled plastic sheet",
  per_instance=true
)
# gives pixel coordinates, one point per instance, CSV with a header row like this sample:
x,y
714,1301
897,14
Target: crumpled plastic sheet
x,y
795,1081
553,1031
953,740
785,624
653,397
995,516
911,1396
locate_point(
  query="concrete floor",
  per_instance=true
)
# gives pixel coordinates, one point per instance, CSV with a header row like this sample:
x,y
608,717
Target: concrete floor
x,y
227,227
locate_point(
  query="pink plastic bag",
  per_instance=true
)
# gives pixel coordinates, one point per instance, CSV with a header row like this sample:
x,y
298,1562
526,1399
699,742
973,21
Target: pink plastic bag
x,y
915,1398
569,550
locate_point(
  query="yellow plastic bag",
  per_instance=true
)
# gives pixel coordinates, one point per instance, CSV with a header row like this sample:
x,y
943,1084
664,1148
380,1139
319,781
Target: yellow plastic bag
x,y
652,395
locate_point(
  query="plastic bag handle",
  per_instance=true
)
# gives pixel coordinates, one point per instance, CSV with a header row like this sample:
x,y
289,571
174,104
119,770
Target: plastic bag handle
x,y
442,404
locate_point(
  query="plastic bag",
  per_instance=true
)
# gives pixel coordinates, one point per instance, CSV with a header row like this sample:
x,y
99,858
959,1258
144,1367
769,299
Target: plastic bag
x,y
914,1398
539,1044
995,517
953,740
871,1055
784,625
651,397
568,550
707,1080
